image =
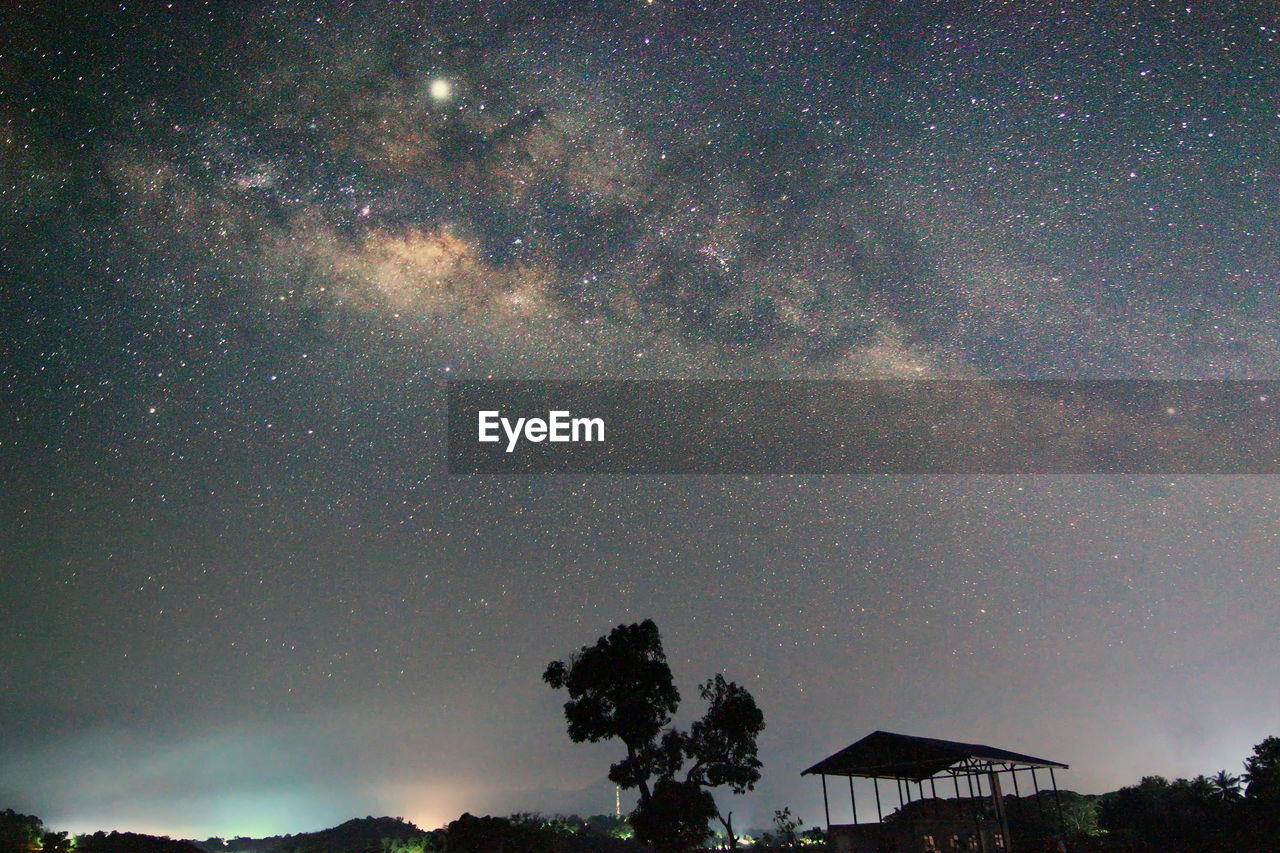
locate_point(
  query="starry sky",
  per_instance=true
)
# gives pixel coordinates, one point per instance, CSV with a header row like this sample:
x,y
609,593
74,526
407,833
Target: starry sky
x,y
243,247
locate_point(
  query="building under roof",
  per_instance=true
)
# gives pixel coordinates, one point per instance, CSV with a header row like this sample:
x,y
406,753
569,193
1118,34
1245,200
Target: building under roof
x,y
923,824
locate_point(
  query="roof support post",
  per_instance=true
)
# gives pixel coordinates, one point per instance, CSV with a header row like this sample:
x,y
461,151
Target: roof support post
x,y
1039,802
1057,799
997,798
1017,794
973,806
879,813
826,810
853,802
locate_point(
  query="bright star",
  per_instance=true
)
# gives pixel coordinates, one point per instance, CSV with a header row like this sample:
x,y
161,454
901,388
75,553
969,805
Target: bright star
x,y
441,90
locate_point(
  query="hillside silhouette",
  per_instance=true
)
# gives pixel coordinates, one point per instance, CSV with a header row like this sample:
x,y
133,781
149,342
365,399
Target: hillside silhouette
x,y
358,835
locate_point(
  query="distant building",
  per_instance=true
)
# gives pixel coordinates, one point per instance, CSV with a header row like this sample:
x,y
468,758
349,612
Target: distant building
x,y
973,820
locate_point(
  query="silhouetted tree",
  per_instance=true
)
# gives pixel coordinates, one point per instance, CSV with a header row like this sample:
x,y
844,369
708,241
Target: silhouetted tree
x,y
786,831
676,817
1226,786
723,743
470,834
1158,815
1131,813
1199,787
1065,814
608,825
1262,793
1262,771
19,833
131,842
621,688
55,842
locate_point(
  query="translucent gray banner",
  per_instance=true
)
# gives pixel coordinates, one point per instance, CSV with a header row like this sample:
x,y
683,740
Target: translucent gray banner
x,y
865,427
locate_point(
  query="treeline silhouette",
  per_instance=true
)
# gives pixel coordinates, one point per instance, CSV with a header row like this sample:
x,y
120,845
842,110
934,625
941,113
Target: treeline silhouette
x,y
1223,812
21,833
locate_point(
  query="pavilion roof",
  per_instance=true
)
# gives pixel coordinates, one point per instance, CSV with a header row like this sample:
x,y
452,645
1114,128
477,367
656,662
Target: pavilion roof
x,y
887,755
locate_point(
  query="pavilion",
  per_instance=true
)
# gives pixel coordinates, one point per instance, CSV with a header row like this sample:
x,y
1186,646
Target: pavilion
x,y
975,819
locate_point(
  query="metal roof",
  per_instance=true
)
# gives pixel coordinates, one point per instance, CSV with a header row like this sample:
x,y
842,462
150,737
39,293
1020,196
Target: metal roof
x,y
886,755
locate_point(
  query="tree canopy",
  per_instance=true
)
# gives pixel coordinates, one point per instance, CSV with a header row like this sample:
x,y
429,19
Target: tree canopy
x,y
622,688
1262,771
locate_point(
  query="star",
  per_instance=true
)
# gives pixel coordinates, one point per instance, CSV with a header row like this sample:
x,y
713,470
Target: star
x,y
441,90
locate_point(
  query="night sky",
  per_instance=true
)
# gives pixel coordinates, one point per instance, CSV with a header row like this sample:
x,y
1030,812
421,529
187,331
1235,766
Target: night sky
x,y
243,246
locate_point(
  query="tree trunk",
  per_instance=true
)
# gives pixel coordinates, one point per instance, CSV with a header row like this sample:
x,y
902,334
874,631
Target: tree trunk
x,y
727,821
